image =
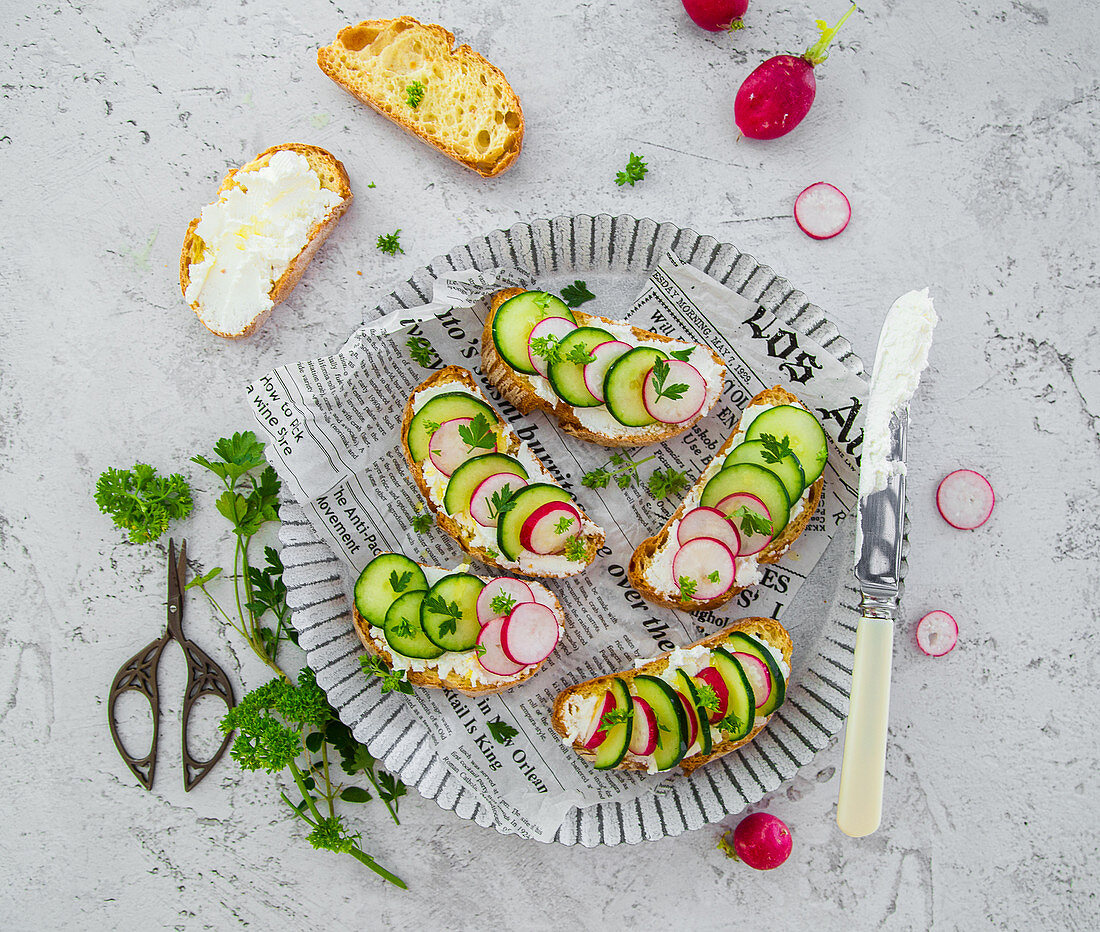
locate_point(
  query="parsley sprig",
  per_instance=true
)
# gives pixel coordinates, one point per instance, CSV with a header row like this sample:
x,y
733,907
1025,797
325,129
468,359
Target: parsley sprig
x,y
635,171
390,243
683,354
576,294
141,502
423,523
502,501
622,467
420,349
687,588
750,521
478,434
414,93
731,723
666,483
391,680
502,603
673,392
502,732
614,717
576,549
563,524
775,450
450,610
548,347
708,698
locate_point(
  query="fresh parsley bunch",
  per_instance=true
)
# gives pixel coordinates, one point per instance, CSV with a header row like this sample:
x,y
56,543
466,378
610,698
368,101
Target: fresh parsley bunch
x,y
141,502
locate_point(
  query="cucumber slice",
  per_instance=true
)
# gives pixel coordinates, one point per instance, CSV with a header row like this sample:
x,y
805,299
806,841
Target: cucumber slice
x,y
684,684
624,384
403,631
374,590
567,377
459,590
788,469
807,436
756,480
672,724
439,410
465,480
515,319
525,503
742,703
612,749
747,644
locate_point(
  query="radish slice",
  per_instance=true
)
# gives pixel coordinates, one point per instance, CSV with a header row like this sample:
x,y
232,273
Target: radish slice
x,y
708,522
709,562
822,211
937,633
530,633
515,589
750,542
758,675
690,397
543,596
548,528
481,503
643,731
493,659
692,717
594,734
965,499
602,358
550,327
713,679
446,448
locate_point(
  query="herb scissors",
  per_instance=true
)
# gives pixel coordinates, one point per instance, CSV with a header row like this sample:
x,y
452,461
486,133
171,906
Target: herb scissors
x,y
139,674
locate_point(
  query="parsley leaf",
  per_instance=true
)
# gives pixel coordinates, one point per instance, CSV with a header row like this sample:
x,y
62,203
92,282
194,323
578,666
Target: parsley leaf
x,y
625,472
713,577
391,680
390,243
450,610
635,171
478,434
547,347
576,549
420,349
687,588
502,732
430,427
663,484
775,450
752,522
596,478
404,629
414,93
502,501
708,698
501,603
142,503
660,374
614,717
579,355
400,583
683,355
423,523
731,723
576,294
563,525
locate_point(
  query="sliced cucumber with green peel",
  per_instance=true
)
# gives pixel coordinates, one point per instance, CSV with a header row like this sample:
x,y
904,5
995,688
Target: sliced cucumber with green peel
x,y
566,376
755,480
375,591
788,469
467,477
624,386
685,685
403,631
446,629
807,436
613,748
740,642
672,723
516,318
439,410
525,502
742,702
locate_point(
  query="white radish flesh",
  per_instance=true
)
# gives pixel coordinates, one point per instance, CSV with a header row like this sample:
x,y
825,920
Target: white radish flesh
x,y
965,499
549,527
756,672
709,563
751,541
688,401
493,659
937,633
708,522
595,734
482,509
602,358
515,589
556,327
448,450
530,633
822,211
643,731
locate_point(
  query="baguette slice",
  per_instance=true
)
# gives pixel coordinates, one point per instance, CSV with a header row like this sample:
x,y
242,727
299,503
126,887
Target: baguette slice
x,y
468,110
460,681
518,390
765,629
463,379
330,171
649,549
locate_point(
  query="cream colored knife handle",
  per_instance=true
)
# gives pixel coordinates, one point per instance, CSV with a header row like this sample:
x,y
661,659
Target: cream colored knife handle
x,y
861,774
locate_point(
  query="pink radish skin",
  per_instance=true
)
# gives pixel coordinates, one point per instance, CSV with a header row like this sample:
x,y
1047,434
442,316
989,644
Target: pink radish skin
x,y
713,679
716,15
699,558
822,211
708,522
550,326
481,500
603,356
756,672
594,735
762,841
692,717
530,633
676,410
446,448
778,94
937,633
540,533
643,730
493,659
750,543
965,499
513,588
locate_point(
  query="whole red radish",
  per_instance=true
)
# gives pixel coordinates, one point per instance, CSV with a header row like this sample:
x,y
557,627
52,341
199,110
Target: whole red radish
x,y
761,840
776,97
717,15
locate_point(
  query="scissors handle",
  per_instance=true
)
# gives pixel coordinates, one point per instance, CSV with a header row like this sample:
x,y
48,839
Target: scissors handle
x,y
139,674
204,678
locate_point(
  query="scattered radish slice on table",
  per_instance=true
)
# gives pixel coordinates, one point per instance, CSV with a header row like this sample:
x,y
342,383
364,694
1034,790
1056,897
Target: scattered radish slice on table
x,y
493,657
515,589
965,499
709,563
937,633
530,633
776,97
643,730
556,327
762,841
822,211
716,15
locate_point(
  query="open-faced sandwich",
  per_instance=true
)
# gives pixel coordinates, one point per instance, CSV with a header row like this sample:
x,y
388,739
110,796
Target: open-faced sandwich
x,y
451,629
747,508
604,380
486,487
684,708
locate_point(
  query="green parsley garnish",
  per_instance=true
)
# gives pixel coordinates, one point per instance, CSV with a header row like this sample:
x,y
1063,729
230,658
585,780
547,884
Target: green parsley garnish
x,y
451,611
580,356
713,577
414,93
708,698
635,171
423,523
400,583
687,588
752,522
547,347
502,603
576,294
775,450
660,374
478,434
502,732
663,484
390,244
141,502
621,467
392,680
683,355
419,348
614,717
730,723
502,501
575,548
563,525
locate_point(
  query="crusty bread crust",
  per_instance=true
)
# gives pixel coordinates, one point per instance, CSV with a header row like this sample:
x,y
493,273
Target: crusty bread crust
x,y
366,56
518,393
648,548
766,629
463,378
430,679
330,170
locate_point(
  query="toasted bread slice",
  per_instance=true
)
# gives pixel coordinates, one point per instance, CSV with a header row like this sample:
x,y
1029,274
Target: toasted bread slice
x,y
461,528
651,547
765,629
466,107
519,391
332,177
